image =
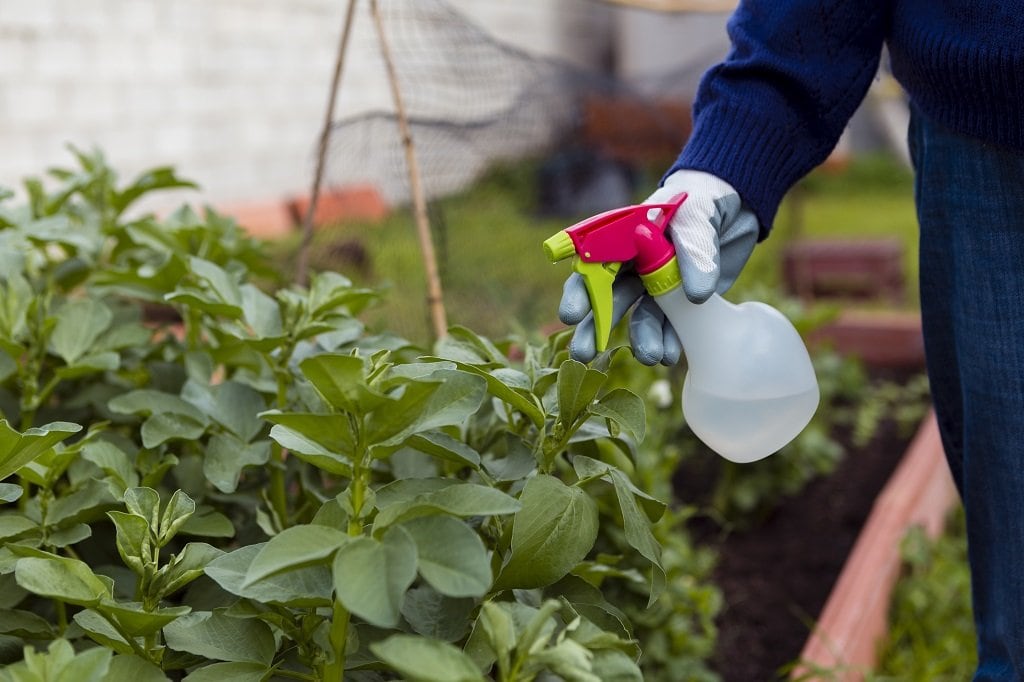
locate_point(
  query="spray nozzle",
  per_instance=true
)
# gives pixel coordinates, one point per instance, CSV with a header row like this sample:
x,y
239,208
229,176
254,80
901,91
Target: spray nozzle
x,y
602,243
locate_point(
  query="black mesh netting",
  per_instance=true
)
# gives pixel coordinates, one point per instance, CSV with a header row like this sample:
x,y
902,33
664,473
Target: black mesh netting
x,y
473,101
571,141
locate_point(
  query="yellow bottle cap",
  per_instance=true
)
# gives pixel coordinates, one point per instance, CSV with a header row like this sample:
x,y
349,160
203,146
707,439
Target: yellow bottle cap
x,y
664,279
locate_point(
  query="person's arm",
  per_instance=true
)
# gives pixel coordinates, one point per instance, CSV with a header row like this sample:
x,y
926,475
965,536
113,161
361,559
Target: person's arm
x,y
775,108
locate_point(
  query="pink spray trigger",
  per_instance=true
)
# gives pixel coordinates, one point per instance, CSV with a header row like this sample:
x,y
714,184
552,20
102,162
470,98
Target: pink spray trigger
x,y
627,234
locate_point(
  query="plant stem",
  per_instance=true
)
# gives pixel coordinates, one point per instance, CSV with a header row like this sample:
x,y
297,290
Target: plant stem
x,y
278,486
62,616
339,625
335,670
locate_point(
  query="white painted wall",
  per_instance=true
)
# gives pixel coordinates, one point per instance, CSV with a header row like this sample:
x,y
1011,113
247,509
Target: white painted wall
x,y
230,91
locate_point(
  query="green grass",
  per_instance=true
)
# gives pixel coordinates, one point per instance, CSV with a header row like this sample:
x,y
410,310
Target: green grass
x,y
497,281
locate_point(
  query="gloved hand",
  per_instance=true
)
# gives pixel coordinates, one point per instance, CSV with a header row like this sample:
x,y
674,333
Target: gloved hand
x,y
713,235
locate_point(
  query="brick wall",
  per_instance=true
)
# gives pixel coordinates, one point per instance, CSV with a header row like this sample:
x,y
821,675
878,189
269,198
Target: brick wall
x,y
229,91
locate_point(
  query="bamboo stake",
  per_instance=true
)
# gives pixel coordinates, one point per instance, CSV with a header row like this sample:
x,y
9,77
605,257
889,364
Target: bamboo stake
x,y
435,297
302,267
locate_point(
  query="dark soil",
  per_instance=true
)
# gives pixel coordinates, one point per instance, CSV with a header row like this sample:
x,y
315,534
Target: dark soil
x,y
775,578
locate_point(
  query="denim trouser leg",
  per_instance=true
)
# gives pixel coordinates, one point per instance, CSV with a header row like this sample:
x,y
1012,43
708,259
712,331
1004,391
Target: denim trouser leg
x,y
970,203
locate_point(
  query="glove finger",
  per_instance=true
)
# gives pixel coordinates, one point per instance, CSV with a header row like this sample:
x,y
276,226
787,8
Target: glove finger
x,y
695,237
673,346
575,303
645,332
737,240
700,275
625,291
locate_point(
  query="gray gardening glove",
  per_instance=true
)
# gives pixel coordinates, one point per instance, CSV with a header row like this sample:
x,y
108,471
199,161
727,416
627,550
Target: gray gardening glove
x,y
713,234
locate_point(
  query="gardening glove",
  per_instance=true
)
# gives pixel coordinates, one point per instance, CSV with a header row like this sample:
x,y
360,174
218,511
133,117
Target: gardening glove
x,y
713,234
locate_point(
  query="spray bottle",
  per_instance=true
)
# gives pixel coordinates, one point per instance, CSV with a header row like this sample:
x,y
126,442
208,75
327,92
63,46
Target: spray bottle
x,y
750,387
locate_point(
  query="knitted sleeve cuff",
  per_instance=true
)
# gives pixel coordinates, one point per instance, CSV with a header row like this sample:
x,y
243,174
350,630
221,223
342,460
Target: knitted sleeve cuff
x,y
760,157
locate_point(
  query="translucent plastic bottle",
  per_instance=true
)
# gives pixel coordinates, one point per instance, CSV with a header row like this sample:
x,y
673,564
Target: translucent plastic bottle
x,y
750,386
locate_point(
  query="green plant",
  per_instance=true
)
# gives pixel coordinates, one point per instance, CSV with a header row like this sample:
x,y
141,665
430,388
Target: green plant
x,y
931,627
368,509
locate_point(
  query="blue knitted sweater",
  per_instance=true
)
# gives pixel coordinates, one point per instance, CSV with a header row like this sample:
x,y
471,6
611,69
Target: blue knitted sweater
x,y
797,70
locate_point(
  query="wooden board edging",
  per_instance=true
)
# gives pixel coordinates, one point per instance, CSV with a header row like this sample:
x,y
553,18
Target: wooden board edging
x,y
843,646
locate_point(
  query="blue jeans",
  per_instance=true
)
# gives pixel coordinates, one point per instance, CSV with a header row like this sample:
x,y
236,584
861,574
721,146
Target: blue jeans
x,y
970,204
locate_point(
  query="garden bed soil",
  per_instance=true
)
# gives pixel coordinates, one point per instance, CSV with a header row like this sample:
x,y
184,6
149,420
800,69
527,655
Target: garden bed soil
x,y
776,577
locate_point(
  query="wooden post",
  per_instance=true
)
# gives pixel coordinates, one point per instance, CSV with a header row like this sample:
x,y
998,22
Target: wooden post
x,y
435,298
302,266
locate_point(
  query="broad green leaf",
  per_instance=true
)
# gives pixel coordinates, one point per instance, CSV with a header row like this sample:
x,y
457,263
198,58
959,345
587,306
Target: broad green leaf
x,y
232,404
307,587
221,284
90,364
7,366
568,659
494,635
448,399
68,580
84,504
481,345
179,510
163,177
15,298
577,387
371,576
229,672
418,659
135,620
10,492
293,548
208,523
160,428
624,408
311,451
60,663
135,669
587,467
13,525
434,615
406,489
220,637
441,445
554,530
147,401
332,432
611,665
341,381
183,568
24,624
79,324
514,396
113,461
101,631
451,556
516,464
226,456
465,499
69,535
638,531
261,313
145,502
18,449
133,540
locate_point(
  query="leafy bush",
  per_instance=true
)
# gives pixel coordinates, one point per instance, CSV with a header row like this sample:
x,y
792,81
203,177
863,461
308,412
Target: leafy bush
x,y
264,490
931,626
